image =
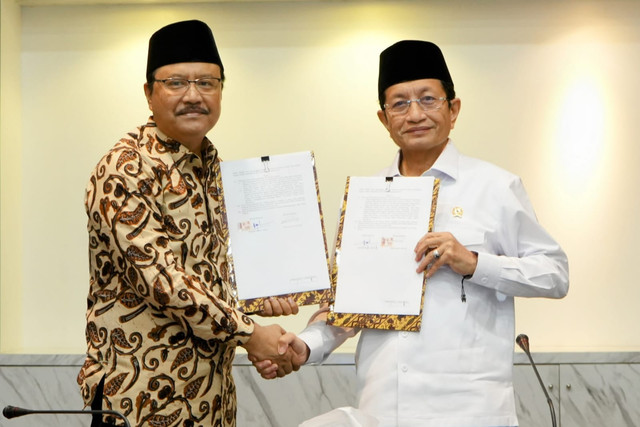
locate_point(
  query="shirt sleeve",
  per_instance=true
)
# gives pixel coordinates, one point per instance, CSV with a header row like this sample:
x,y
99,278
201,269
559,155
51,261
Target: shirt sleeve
x,y
532,263
126,225
322,339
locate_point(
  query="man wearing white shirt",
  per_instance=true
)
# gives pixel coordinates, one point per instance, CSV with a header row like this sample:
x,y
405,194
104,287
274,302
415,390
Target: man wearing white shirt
x,y
487,247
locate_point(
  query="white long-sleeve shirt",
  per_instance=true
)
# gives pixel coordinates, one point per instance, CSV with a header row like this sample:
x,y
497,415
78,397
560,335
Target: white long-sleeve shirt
x,y
457,371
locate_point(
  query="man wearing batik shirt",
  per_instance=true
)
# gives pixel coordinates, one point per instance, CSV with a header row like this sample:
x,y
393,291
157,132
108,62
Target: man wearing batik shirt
x,y
161,324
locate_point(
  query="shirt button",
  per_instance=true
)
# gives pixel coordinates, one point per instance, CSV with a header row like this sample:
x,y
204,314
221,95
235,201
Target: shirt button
x,y
404,334
405,368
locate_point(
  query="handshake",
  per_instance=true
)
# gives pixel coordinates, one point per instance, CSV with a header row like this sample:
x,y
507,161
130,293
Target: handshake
x,y
272,350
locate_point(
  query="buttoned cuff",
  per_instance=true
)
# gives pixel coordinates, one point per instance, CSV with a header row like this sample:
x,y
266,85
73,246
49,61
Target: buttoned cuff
x,y
488,270
245,330
313,337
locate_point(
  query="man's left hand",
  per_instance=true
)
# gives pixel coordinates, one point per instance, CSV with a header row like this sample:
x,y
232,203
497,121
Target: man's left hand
x,y
437,249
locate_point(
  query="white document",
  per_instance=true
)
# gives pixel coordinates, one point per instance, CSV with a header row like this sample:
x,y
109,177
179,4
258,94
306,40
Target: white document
x,y
383,222
277,241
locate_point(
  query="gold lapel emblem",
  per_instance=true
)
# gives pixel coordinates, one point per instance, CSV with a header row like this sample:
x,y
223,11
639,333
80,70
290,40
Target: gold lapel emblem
x,y
457,212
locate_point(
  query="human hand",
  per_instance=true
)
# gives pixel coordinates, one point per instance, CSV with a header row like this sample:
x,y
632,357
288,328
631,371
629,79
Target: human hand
x,y
264,344
438,249
290,343
275,306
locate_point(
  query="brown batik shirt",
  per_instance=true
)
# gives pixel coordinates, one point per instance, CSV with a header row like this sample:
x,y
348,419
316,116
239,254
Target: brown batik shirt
x,y
161,327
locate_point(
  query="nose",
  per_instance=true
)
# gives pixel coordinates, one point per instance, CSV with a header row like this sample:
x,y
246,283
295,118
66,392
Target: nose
x,y
192,92
415,112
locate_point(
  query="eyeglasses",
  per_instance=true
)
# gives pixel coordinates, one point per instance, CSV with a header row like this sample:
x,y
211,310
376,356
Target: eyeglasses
x,y
178,85
427,103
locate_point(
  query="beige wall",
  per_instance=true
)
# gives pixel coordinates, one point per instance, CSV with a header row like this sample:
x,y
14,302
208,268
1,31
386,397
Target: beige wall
x,y
10,180
549,91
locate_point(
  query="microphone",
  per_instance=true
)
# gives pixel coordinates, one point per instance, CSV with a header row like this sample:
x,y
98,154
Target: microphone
x,y
13,412
523,342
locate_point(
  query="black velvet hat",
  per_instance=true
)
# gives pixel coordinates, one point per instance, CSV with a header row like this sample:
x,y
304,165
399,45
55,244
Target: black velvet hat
x,y
186,41
411,60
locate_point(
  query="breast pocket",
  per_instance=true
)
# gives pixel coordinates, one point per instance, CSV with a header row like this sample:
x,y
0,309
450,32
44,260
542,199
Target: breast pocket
x,y
472,230
474,240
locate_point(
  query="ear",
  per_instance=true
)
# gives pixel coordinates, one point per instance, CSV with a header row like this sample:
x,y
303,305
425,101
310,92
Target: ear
x,y
382,116
455,110
147,94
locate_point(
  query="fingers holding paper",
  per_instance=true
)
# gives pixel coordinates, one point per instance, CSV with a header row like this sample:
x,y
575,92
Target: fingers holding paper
x,y
288,344
434,250
278,306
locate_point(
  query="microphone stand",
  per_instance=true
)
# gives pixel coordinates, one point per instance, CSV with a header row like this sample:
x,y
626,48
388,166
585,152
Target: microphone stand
x,y
523,342
13,412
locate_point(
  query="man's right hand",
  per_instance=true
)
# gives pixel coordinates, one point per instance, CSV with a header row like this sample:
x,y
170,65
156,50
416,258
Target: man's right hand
x,y
288,344
264,344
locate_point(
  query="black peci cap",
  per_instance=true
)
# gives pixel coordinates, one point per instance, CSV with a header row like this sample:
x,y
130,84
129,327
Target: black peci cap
x,y
185,41
411,60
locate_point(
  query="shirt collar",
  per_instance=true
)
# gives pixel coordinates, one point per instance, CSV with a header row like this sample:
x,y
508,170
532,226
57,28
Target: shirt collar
x,y
446,165
174,148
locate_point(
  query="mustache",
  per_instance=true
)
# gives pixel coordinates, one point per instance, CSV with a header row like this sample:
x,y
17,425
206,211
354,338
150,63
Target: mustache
x,y
192,109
